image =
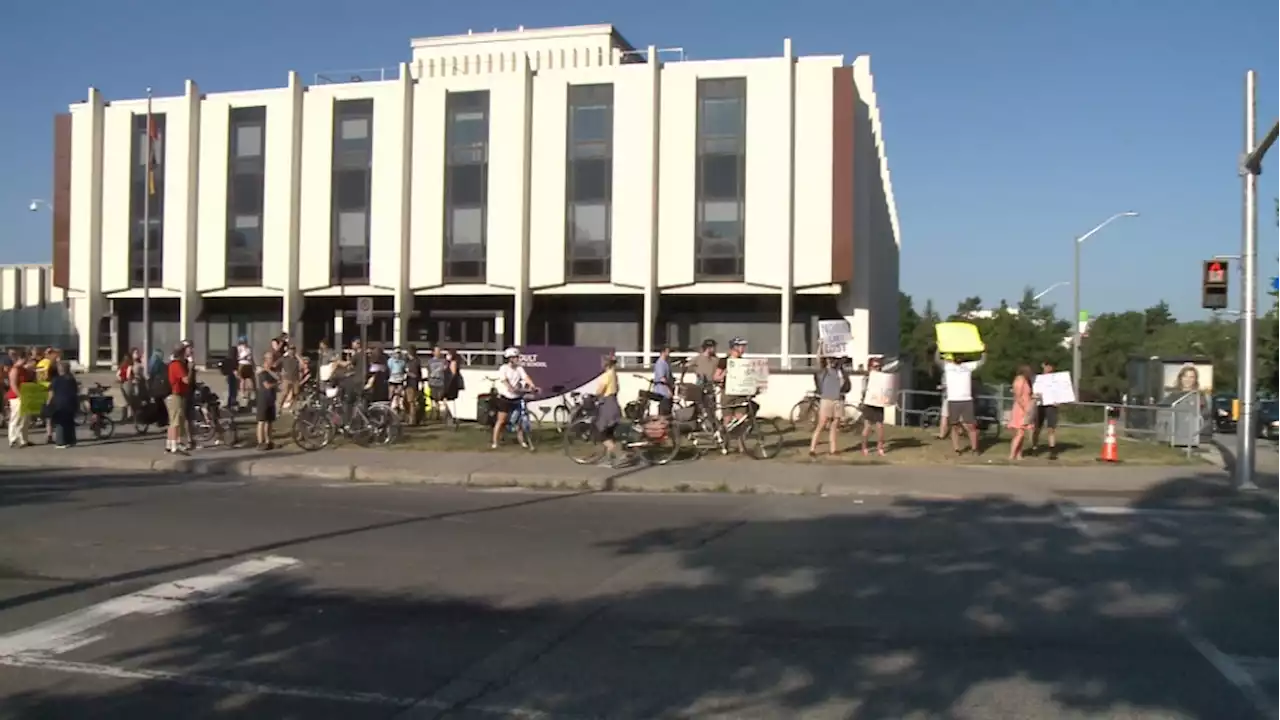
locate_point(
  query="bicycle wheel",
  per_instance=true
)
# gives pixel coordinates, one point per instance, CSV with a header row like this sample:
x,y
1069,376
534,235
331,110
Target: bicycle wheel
x,y
580,442
360,428
102,427
850,416
227,431
804,414
312,429
660,450
384,424
527,424
560,416
763,440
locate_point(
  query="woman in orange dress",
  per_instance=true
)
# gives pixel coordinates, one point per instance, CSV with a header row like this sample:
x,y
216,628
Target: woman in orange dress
x,y
1022,418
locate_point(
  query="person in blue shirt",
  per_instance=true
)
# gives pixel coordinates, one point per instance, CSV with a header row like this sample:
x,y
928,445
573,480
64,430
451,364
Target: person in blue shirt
x,y
663,381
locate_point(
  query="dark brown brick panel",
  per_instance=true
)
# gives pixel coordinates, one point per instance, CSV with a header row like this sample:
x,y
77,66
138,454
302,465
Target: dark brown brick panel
x,y
842,128
61,200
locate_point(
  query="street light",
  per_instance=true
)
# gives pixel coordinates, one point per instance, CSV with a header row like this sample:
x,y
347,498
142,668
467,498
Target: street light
x,y
37,203
1075,286
1046,291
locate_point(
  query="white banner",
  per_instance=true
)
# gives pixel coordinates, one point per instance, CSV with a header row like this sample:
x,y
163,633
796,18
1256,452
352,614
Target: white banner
x,y
746,376
882,389
1054,388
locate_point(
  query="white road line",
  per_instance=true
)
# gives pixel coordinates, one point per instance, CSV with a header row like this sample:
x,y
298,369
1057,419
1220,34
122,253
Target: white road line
x,y
412,704
353,484
40,662
1127,511
73,630
1070,512
1229,669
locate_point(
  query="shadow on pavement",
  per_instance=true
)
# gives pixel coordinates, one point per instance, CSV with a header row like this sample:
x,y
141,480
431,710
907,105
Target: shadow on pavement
x,y
919,609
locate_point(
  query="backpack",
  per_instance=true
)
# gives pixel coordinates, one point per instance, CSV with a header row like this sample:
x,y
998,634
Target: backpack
x,y
122,373
160,387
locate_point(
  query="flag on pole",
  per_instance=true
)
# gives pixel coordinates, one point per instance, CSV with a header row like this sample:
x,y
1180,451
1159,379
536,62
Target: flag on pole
x,y
153,142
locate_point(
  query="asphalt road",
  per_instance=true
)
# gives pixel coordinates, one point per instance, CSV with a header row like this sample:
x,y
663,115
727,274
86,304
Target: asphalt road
x,y
126,597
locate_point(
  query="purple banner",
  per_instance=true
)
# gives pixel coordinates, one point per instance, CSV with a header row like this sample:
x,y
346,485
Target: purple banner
x,y
569,366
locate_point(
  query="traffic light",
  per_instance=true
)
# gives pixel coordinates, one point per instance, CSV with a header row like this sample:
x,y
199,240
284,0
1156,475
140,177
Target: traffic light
x,y
1214,285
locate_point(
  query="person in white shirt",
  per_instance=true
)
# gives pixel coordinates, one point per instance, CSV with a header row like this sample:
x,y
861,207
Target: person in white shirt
x,y
513,382
958,377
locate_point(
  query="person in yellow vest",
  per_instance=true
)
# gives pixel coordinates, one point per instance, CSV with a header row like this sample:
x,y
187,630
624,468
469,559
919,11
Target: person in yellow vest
x,y
46,370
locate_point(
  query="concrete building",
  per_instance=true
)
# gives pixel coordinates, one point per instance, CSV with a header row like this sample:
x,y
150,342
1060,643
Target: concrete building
x,y
552,186
33,311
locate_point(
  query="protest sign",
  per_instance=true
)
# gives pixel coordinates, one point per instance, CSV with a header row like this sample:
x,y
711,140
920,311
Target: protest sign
x,y
834,338
32,397
882,389
1054,388
959,337
746,376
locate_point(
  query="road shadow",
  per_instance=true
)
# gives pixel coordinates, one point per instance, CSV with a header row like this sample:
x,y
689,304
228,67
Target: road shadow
x,y
920,609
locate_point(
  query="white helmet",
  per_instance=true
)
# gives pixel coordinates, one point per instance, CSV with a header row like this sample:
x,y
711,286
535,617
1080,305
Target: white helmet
x,y
511,353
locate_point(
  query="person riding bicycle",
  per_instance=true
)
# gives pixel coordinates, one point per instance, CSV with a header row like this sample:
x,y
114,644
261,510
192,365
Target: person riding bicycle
x,y
513,383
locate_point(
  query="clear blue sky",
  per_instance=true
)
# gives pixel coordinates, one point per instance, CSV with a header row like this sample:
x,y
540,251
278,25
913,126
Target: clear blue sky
x,y
1011,124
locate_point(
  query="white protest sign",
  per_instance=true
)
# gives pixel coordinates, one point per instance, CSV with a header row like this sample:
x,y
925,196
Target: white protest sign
x,y
882,389
746,376
834,338
1054,388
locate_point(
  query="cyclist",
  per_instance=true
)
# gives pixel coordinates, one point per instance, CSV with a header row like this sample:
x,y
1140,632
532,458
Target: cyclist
x,y
608,412
513,382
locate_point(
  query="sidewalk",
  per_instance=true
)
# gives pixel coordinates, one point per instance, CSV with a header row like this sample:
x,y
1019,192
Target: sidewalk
x,y
550,469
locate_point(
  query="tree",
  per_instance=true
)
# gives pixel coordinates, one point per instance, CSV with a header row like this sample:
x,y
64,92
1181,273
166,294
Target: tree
x,y
1029,334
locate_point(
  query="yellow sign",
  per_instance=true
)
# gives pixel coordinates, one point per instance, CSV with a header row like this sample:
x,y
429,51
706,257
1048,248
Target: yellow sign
x,y
32,398
959,337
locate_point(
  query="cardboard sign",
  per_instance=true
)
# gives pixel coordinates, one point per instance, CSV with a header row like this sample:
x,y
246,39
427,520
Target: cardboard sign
x,y
959,337
746,376
32,397
1054,388
834,338
882,389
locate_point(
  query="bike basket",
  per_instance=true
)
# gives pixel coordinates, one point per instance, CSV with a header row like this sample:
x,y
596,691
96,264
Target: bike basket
x,y
645,396
101,404
656,429
690,392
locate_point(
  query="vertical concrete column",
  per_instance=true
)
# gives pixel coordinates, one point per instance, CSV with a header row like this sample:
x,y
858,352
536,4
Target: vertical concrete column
x,y
292,302
190,304
85,277
788,282
523,297
651,293
403,298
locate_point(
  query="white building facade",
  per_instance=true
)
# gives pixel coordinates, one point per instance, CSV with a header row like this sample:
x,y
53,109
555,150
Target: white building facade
x,y
529,187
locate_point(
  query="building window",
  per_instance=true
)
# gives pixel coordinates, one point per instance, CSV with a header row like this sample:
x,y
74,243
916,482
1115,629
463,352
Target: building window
x,y
246,172
352,181
152,267
466,180
721,179
589,184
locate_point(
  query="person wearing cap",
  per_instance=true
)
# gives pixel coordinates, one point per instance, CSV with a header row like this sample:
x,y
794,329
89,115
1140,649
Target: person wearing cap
x,y
706,364
513,382
175,403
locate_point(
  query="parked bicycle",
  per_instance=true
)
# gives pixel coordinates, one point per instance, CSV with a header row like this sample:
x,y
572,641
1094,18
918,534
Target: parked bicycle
x,y
759,438
318,424
652,437
211,425
804,414
100,405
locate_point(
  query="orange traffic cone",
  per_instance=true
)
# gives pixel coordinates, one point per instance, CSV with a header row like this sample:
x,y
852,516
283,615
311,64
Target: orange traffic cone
x,y
1110,448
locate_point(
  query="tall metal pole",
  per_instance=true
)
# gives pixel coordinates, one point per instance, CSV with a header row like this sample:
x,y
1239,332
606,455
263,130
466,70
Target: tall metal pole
x,y
1075,319
146,242
1247,428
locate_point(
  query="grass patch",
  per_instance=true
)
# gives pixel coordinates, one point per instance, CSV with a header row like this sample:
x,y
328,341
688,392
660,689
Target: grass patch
x,y
906,446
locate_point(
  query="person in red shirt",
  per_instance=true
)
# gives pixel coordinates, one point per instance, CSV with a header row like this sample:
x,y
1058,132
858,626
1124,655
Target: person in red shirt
x,y
176,403
17,423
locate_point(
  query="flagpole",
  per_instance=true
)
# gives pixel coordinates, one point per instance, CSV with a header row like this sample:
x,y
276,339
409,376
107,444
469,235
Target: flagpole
x,y
146,242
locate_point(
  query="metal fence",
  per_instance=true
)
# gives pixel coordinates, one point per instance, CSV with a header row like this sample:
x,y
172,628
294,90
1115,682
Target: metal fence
x,y
1181,423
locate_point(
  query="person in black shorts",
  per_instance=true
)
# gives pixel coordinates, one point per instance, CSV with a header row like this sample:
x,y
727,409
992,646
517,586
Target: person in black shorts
x,y
1046,417
266,402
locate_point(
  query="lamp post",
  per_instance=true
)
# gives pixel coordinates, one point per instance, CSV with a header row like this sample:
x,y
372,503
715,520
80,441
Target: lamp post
x,y
37,203
1075,287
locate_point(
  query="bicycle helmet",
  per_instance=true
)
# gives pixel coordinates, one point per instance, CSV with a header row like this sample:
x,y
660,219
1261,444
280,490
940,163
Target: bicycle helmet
x,y
738,342
511,353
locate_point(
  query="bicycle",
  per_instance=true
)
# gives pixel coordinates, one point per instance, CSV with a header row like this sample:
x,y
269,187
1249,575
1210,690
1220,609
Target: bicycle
x,y
316,426
210,426
654,437
804,414
100,406
712,433
568,407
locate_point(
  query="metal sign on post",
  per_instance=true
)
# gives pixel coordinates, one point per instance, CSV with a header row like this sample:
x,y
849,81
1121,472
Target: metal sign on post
x,y
364,311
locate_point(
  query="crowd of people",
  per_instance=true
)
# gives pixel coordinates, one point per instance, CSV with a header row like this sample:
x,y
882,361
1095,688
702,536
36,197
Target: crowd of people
x,y
60,390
